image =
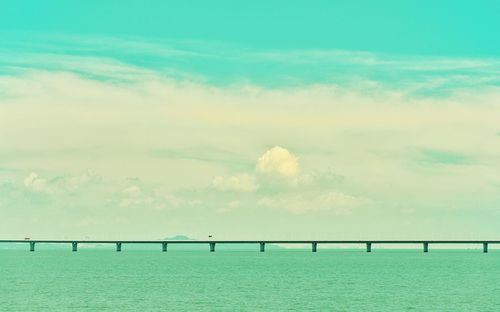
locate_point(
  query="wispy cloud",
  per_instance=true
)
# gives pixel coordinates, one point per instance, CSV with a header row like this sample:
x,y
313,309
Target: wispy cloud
x,y
339,203
129,58
238,183
445,157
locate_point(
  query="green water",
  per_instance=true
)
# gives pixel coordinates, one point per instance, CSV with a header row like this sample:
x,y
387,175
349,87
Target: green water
x,y
330,280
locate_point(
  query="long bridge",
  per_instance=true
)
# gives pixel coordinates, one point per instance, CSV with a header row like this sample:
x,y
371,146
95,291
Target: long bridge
x,y
261,243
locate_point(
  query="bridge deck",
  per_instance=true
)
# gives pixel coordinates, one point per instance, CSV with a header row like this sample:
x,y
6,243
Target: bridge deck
x,y
252,241
262,243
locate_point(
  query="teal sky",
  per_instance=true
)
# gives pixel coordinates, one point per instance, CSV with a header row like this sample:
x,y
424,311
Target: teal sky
x,y
271,119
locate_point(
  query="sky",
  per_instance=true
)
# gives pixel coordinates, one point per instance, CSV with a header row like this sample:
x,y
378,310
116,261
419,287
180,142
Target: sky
x,y
257,120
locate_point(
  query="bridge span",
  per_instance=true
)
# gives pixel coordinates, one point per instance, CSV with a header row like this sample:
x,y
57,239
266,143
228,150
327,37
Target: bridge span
x,y
261,243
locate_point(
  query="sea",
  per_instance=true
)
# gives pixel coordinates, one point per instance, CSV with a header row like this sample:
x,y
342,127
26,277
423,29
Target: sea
x,y
100,279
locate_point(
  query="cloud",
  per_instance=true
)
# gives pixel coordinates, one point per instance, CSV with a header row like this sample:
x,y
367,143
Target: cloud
x,y
132,191
238,183
126,59
374,143
146,197
230,206
331,127
60,184
336,199
297,203
37,184
133,196
279,161
317,179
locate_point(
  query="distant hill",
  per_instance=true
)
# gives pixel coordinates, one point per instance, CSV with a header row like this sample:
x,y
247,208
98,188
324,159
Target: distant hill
x,y
178,237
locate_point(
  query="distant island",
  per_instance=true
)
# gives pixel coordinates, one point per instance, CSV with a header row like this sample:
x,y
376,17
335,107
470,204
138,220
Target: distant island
x,y
182,237
179,237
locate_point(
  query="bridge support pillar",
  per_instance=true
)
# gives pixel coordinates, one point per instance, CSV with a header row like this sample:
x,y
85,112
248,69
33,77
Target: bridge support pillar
x,y
314,247
262,247
164,247
212,247
32,246
485,247
368,247
426,247
74,246
118,246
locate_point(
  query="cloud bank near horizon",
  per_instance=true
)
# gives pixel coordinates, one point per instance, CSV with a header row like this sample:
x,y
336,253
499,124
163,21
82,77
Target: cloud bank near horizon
x,y
131,146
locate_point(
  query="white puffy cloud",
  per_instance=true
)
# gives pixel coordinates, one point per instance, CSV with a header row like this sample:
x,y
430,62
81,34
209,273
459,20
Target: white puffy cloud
x,y
238,183
37,184
278,160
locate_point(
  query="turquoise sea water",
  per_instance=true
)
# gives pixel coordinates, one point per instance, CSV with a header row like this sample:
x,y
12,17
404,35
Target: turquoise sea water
x,y
330,280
